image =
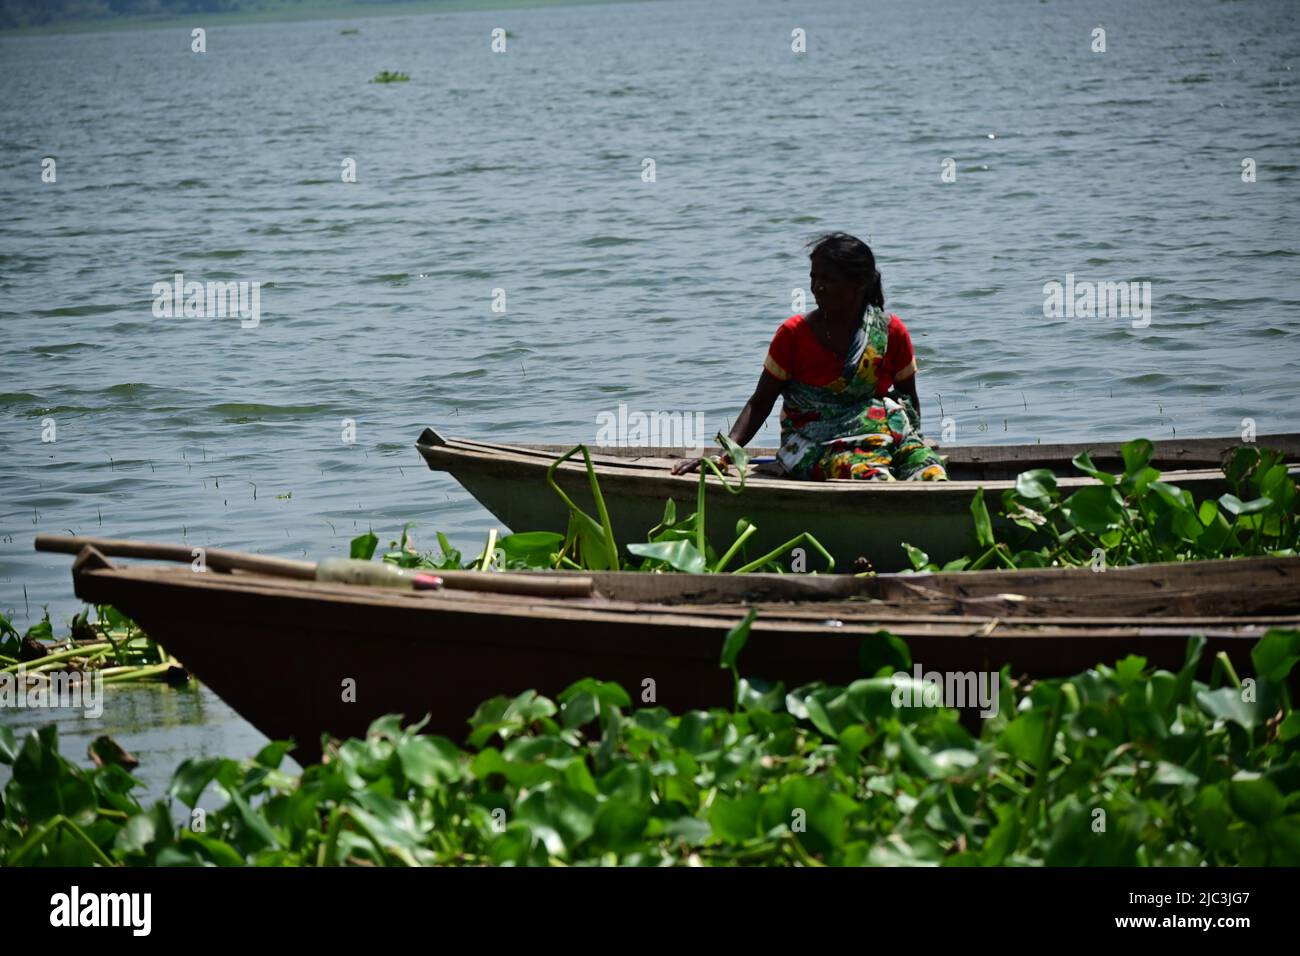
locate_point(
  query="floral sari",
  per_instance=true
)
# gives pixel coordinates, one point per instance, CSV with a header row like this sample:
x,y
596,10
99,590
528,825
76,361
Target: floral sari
x,y
843,429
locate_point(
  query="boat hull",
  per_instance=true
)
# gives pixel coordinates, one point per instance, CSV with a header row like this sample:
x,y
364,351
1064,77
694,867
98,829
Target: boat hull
x,y
862,524
299,659
861,535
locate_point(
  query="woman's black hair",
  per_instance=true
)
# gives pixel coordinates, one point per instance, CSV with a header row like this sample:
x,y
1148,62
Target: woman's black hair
x,y
853,259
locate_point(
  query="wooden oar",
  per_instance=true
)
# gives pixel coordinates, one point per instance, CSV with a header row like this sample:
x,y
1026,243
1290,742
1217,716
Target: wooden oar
x,y
225,561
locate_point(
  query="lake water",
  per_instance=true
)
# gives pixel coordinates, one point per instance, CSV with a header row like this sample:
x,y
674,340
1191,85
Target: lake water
x,y
522,171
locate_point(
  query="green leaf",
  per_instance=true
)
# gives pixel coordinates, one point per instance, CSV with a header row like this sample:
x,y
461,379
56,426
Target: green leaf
x,y
1216,536
1283,838
736,638
913,848
1128,670
680,555
1241,460
1187,525
217,851
918,557
689,830
739,457
1172,775
273,754
1172,495
451,557
1004,836
1276,483
508,717
1226,704
1136,485
1095,508
1276,654
144,830
620,825
363,547
1029,559
193,776
1137,455
1038,484
607,692
1289,729
1254,799
670,513
1025,736
983,526
811,809
883,650
736,820
918,756
428,761
1187,673
1236,506
532,548
256,824
757,694
569,814
1083,462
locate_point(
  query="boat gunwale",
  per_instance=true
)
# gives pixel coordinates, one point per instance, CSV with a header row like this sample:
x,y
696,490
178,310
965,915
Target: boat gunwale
x,y
447,458
1205,452
324,596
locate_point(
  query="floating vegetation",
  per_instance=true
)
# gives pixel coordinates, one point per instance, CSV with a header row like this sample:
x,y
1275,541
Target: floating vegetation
x,y
1118,766
349,31
385,76
111,646
1135,518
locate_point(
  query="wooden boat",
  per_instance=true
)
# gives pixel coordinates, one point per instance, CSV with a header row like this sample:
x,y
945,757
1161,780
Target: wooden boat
x,y
852,519
280,651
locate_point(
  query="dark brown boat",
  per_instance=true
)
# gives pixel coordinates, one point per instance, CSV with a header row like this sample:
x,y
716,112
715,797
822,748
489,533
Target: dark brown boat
x,y
281,651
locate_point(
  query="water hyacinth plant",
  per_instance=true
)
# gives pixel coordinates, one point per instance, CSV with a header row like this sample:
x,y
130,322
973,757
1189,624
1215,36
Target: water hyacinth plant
x,y
1116,766
1134,518
589,542
111,644
1130,517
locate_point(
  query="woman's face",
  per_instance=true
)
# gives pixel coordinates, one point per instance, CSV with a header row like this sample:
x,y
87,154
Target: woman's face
x,y
835,293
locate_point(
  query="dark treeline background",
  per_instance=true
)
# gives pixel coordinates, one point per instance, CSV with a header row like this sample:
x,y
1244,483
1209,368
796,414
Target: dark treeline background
x,y
39,13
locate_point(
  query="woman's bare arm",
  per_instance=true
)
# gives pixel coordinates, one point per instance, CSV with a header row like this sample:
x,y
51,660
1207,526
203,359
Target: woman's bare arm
x,y
750,419
907,388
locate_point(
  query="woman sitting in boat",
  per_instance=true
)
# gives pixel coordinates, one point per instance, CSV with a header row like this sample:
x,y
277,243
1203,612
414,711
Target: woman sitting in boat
x,y
848,376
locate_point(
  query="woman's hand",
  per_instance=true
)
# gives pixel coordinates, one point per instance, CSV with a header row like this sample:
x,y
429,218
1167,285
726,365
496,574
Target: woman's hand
x,y
691,464
747,424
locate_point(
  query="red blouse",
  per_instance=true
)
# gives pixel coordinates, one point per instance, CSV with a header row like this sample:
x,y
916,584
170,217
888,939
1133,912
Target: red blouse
x,y
797,354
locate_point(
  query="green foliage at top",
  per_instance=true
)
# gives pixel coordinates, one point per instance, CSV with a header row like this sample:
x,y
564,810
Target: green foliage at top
x,y
1133,517
1119,765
